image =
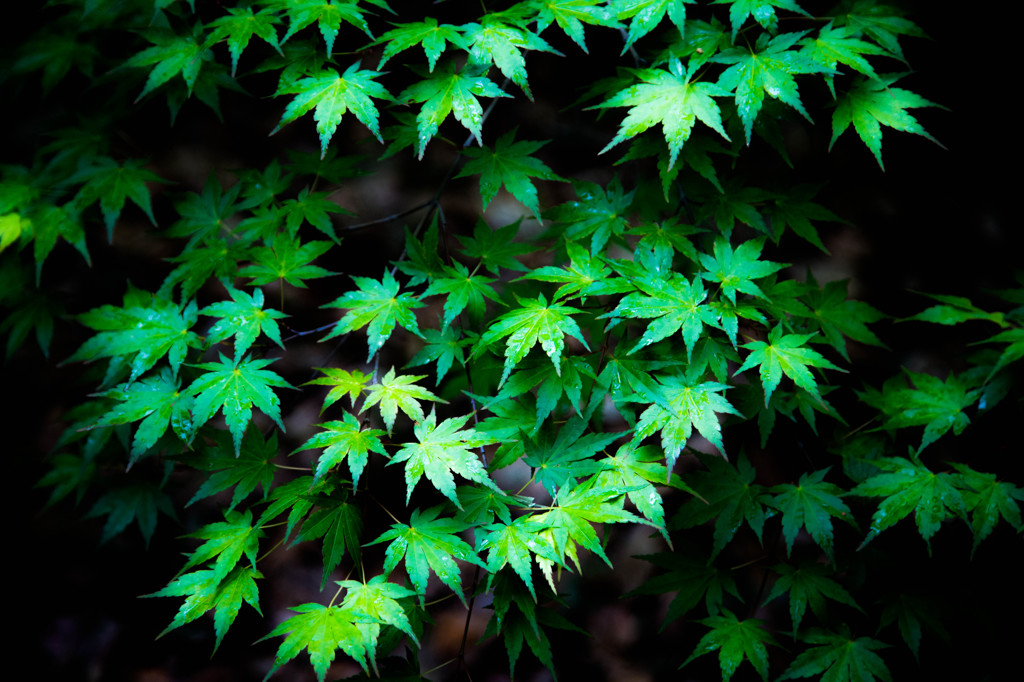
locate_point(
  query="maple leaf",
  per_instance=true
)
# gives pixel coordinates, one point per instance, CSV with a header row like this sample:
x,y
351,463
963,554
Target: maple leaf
x,y
205,214
463,290
933,403
171,54
495,248
339,523
285,258
840,658
322,630
212,257
233,388
156,403
570,15
443,450
989,499
871,103
735,641
567,456
228,541
767,69
832,46
647,14
763,12
795,210
254,466
535,320
139,501
377,599
203,591
728,495
147,328
810,504
690,404
446,90
330,96
327,14
343,439
883,23
514,544
785,354
244,318
239,26
111,184
736,269
671,99
597,211
343,382
495,42
428,543
510,165
691,578
426,33
394,392
585,275
807,585
838,316
444,347
675,303
313,208
909,486
377,306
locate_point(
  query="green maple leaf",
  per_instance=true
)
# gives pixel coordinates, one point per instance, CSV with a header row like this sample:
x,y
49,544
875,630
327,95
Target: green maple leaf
x,y
139,501
909,486
204,591
953,310
495,42
728,495
342,382
933,403
839,317
767,69
785,354
146,328
598,212
675,303
156,402
988,499
444,347
585,275
495,248
463,290
206,214
233,388
339,524
690,404
228,541
322,630
637,469
736,269
871,103
330,96
571,15
170,55
244,318
285,258
735,640
810,504
808,585
534,321
398,392
111,184
514,544
647,14
239,26
508,165
839,658
378,601
446,90
377,306
343,439
883,23
763,12
327,14
198,262
426,33
691,579
795,210
671,99
833,46
313,208
427,544
254,466
443,450
567,456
